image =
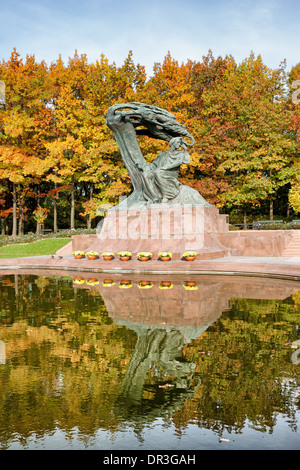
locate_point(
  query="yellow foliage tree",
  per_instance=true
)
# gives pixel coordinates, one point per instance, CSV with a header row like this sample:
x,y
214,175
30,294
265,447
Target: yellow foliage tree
x,y
294,197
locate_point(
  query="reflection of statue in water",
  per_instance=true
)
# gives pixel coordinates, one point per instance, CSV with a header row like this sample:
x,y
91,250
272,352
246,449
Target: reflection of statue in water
x,y
160,178
163,347
156,182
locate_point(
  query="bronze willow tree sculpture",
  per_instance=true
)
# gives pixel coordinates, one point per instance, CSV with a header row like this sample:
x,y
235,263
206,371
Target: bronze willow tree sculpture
x,y
156,182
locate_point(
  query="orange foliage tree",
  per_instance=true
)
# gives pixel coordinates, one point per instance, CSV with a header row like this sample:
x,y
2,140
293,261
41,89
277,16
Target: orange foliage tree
x,y
24,128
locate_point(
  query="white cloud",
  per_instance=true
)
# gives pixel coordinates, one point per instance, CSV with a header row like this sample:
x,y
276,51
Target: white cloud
x,y
187,28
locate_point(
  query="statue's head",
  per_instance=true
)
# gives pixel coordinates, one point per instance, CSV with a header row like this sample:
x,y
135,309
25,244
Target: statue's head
x,y
177,142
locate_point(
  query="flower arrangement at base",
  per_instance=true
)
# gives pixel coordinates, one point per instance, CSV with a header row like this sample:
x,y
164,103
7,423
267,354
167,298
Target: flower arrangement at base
x,y
91,254
165,256
190,285
108,283
144,255
78,254
108,255
124,255
145,285
92,282
125,284
189,255
78,280
166,285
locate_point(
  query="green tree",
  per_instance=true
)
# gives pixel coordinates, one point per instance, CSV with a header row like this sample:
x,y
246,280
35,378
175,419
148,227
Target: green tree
x,y
294,84
248,121
201,174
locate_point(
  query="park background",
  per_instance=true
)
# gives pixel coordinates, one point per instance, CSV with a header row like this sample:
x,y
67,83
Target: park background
x,y
59,161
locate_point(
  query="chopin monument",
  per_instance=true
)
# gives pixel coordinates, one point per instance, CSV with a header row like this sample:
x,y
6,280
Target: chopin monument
x,y
161,214
156,182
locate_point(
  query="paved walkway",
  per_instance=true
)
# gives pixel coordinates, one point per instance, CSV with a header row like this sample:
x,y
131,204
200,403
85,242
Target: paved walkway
x,y
282,267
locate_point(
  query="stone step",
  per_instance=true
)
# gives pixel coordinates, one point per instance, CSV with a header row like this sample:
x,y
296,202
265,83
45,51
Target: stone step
x,y
65,250
293,247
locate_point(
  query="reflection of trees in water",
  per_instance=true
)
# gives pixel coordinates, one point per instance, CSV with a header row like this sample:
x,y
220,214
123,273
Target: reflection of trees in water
x,y
247,372
38,297
236,373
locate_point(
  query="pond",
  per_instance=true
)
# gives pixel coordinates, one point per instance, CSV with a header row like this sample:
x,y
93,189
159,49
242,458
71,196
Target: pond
x,y
206,362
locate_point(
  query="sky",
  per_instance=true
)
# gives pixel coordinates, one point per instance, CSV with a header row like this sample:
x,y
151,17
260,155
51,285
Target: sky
x,y
187,29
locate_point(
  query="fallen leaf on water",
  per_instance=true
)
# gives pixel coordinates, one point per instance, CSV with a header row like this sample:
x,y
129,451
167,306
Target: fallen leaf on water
x,y
223,439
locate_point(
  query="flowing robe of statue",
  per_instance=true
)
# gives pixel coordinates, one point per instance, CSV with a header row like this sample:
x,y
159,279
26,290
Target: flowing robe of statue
x,y
160,178
156,182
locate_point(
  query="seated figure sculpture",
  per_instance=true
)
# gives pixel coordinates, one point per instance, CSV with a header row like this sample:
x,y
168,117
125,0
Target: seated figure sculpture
x,y
155,182
160,178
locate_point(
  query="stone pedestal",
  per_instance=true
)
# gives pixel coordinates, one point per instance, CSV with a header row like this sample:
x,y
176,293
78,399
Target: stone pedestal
x,y
175,229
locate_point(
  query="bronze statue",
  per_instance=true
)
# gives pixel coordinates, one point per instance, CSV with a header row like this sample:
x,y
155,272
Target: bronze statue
x,y
156,182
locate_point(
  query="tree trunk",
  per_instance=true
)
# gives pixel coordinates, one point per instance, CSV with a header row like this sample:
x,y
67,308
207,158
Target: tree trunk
x,y
245,217
14,227
55,207
20,230
271,201
89,222
89,219
38,227
55,216
271,209
2,226
16,276
72,225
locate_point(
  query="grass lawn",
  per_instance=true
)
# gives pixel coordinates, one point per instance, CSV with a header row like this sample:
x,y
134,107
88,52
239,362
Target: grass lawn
x,y
38,248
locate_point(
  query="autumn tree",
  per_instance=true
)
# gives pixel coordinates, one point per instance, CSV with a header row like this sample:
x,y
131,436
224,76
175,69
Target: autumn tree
x,y
83,152
294,86
202,173
23,128
56,150
167,88
5,210
104,175
66,150
247,122
204,74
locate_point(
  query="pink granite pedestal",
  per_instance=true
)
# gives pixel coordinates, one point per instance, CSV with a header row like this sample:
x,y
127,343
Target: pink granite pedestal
x,y
174,229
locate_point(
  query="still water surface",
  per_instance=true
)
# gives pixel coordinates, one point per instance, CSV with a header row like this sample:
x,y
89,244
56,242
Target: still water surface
x,y
95,363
